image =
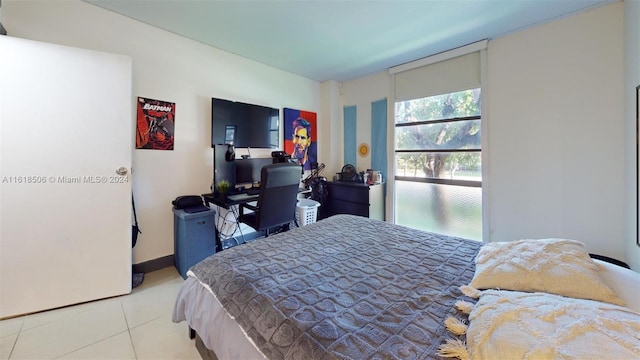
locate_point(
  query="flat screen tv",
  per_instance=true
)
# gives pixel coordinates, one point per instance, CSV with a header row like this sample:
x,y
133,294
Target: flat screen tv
x,y
244,125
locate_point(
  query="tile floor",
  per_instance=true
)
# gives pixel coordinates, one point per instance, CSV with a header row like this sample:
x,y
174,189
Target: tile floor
x,y
133,326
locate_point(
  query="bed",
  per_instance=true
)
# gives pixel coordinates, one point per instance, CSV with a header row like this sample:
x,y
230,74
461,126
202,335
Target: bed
x,y
347,287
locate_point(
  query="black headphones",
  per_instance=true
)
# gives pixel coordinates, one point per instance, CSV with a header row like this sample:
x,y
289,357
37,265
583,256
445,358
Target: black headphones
x,y
231,153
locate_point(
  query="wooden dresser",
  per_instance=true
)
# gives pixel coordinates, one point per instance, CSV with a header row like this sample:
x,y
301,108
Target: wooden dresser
x,y
356,199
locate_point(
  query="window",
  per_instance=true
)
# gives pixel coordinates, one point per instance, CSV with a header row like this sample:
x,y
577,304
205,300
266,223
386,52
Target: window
x,y
438,177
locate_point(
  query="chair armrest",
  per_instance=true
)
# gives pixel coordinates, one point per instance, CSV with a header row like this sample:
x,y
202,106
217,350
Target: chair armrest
x,y
249,206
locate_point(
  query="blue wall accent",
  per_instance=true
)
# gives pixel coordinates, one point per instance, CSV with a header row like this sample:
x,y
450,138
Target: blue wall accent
x,y
350,147
379,137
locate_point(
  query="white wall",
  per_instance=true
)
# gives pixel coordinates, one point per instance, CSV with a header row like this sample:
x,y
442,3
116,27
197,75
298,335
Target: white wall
x,y
170,68
330,153
556,160
361,93
632,79
555,123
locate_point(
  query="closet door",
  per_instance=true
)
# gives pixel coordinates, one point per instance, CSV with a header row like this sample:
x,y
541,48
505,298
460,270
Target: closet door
x,y
65,202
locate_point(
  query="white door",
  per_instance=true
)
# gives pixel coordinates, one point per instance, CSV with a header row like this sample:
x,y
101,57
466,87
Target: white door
x,y
65,214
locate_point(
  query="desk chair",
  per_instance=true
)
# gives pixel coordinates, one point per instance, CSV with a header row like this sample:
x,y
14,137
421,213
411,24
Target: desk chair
x,y
277,200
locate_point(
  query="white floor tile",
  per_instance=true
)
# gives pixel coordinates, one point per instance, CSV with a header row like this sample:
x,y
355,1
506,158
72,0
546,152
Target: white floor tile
x,y
6,345
51,316
163,339
11,326
116,347
152,302
133,326
75,331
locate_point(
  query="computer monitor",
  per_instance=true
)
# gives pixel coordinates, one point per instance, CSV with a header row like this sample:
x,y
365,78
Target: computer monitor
x,y
248,170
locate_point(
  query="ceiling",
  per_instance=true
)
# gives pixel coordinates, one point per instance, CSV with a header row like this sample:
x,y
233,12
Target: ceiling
x,y
342,39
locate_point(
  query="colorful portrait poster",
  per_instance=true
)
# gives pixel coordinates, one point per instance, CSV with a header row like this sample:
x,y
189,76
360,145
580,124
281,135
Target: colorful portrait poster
x,y
300,137
155,124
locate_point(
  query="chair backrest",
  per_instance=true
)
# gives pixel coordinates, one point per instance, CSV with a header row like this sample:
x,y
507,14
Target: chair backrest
x,y
279,185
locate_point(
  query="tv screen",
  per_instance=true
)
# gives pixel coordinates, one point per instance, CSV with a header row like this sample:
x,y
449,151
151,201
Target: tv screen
x,y
244,125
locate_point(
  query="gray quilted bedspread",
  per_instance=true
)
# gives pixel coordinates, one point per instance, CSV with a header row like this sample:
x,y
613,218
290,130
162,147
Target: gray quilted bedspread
x,y
345,287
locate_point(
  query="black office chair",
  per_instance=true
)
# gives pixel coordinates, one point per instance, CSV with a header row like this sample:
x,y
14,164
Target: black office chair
x,y
276,207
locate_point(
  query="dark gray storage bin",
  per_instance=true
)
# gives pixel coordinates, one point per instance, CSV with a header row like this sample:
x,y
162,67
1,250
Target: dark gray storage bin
x,y
194,238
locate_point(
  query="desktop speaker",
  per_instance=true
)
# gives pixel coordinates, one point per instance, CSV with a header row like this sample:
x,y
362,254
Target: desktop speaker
x,y
231,153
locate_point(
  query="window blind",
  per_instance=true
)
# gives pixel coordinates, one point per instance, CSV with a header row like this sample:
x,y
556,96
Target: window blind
x,y
459,73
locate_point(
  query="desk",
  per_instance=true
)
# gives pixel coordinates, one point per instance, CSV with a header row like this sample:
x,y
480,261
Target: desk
x,y
227,221
229,200
226,224
240,198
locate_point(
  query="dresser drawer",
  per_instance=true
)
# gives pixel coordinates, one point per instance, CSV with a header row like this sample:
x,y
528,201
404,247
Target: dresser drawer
x,y
348,207
349,192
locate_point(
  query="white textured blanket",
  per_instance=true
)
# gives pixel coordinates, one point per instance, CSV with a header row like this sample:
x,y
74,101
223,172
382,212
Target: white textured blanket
x,y
517,325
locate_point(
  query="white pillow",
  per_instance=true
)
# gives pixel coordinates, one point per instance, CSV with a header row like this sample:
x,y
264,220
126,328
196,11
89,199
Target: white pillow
x,y
517,325
624,282
556,266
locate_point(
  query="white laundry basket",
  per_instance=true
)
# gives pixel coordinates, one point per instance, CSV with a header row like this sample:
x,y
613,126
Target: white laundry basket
x,y
306,211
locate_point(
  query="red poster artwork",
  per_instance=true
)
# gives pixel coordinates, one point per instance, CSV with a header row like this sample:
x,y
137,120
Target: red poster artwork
x,y
300,137
155,124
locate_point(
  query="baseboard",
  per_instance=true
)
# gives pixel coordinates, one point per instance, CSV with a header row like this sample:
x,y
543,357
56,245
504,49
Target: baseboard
x,y
153,265
166,261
